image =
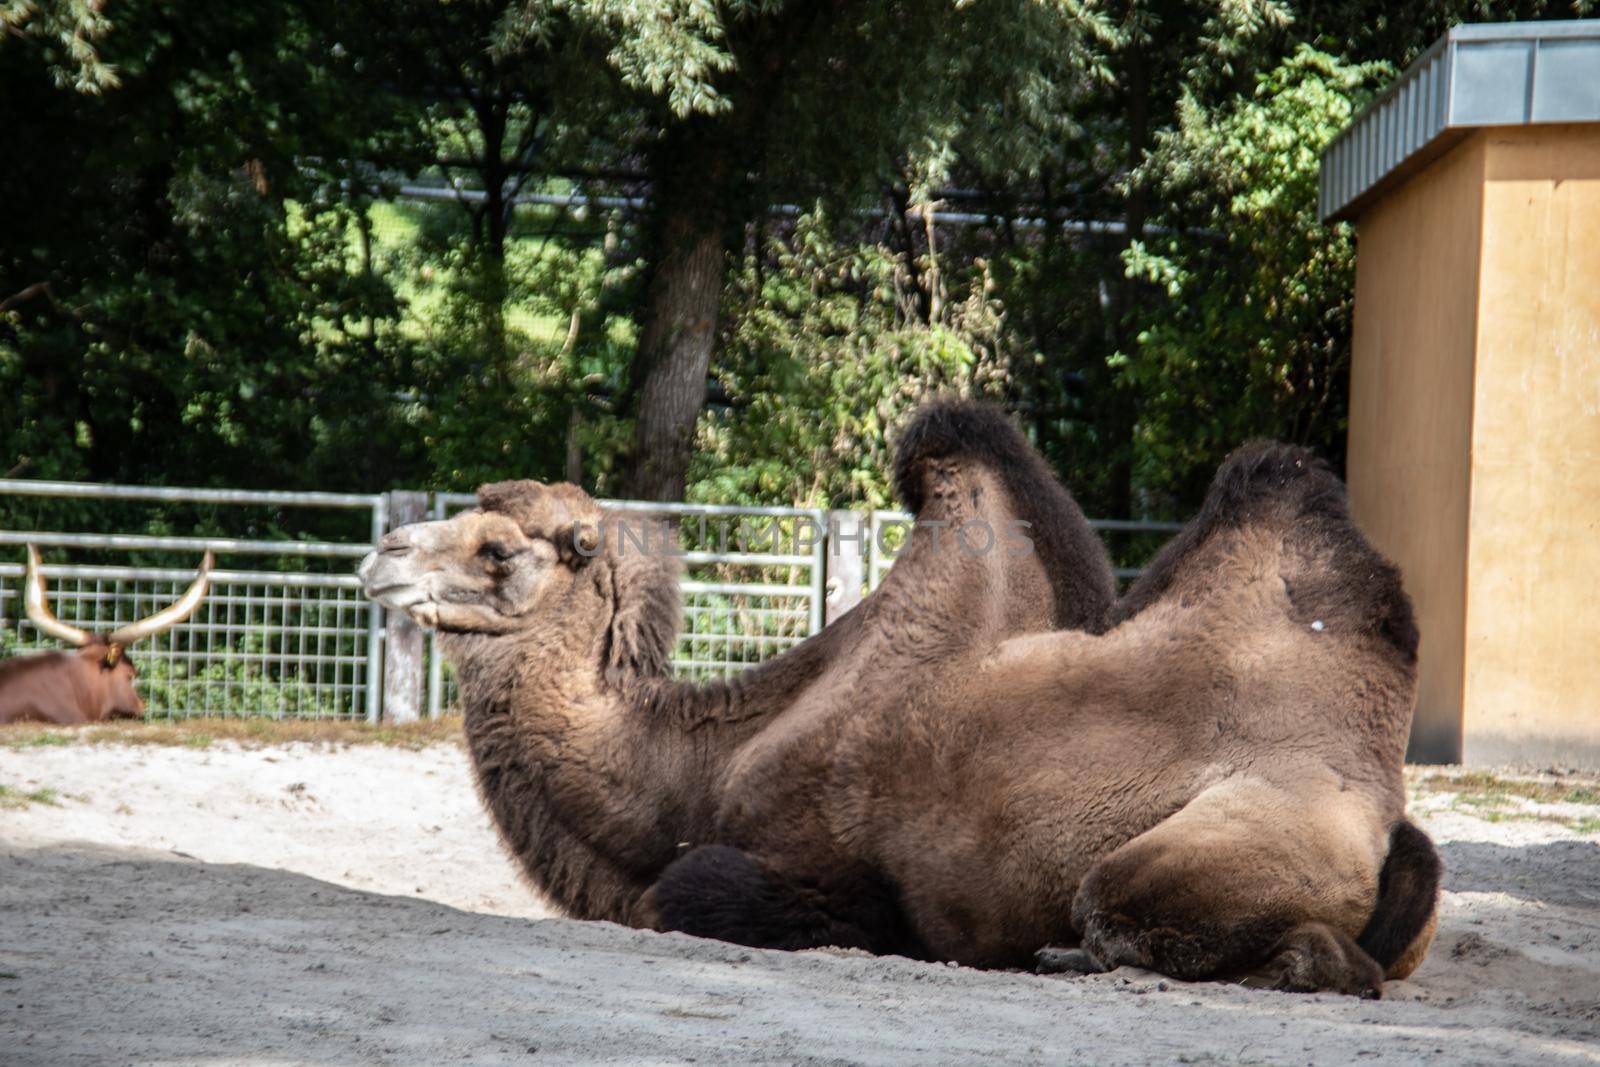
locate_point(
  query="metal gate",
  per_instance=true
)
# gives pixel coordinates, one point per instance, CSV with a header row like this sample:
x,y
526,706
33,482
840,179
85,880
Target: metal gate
x,y
290,635
274,637
285,631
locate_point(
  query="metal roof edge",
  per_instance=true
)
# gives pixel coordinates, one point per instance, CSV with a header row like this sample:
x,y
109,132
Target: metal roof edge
x,y
1438,96
1521,31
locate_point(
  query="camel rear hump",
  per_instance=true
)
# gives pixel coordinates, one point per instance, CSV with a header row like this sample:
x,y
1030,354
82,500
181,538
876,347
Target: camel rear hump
x,y
1336,581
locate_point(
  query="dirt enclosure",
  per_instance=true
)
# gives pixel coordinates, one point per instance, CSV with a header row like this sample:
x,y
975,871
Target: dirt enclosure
x,y
211,903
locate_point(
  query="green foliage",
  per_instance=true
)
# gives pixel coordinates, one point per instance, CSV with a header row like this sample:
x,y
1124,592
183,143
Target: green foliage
x,y
247,683
1254,340
15,799
202,281
828,355
164,307
67,33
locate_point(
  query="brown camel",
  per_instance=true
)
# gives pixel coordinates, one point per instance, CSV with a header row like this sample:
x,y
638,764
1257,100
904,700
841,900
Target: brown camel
x,y
1203,779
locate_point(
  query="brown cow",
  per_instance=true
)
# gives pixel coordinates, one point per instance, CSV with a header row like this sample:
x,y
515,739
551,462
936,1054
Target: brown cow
x,y
95,682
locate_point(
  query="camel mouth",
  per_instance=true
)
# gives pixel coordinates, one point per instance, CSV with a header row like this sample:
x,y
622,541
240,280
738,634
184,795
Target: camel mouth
x,y
403,596
390,583
386,594
416,604
425,614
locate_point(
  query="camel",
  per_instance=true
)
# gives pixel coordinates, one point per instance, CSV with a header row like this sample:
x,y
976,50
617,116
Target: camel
x,y
1203,778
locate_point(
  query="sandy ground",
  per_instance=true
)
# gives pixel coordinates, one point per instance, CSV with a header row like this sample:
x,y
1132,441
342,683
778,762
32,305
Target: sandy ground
x,y
302,905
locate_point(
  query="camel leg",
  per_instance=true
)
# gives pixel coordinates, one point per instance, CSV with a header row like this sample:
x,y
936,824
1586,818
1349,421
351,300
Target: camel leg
x,y
1315,956
1248,878
720,892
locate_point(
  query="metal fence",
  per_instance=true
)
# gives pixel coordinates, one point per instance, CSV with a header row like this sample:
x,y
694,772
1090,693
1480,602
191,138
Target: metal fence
x,y
754,583
291,635
888,530
285,642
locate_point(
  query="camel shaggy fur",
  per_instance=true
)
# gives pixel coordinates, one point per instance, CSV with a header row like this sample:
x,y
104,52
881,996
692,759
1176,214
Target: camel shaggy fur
x,y
1203,779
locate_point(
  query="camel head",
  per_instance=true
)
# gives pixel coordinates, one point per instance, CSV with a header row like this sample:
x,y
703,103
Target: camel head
x,y
497,569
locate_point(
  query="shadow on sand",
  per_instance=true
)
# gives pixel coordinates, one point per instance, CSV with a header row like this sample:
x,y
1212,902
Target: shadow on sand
x,y
111,955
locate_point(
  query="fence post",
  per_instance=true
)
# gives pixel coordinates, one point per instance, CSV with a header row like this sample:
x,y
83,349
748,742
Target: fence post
x,y
380,523
404,665
847,544
435,657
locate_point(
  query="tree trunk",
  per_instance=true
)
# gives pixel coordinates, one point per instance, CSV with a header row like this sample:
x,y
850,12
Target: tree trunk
x,y
682,301
1119,410
491,116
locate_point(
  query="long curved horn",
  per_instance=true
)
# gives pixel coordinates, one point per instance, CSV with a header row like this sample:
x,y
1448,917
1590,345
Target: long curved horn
x,y
167,618
33,599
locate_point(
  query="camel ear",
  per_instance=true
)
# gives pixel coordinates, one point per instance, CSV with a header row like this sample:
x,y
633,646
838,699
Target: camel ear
x,y
563,513
580,541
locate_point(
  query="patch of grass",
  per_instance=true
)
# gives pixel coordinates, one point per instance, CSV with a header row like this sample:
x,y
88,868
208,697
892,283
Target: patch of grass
x,y
43,739
246,733
1484,800
15,799
1586,824
1485,789
1492,798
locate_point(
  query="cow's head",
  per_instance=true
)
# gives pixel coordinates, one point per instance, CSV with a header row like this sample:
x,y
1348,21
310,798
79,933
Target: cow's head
x,y
109,672
111,675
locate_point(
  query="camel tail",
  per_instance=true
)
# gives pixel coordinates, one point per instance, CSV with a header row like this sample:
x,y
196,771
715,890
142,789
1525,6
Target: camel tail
x,y
1072,553
1401,928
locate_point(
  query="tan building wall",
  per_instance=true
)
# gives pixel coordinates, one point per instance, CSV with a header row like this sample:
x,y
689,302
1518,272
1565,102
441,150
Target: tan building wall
x,y
1475,436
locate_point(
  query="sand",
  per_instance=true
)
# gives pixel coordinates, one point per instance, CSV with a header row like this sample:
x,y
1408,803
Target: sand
x,y
301,904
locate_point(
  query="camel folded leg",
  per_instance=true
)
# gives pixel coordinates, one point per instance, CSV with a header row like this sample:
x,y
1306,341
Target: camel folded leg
x,y
1249,878
724,893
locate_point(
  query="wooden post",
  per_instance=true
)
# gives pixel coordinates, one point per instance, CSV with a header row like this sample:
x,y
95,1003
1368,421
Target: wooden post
x,y
404,662
846,562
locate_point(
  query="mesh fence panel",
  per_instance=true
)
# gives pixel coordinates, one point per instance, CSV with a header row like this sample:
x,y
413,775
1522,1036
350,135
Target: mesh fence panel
x,y
261,645
297,644
752,584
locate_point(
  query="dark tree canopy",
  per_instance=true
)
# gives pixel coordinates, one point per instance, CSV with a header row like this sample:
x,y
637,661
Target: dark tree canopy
x,y
788,221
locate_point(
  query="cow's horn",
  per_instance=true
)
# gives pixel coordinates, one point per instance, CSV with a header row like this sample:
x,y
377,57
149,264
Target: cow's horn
x,y
38,609
167,618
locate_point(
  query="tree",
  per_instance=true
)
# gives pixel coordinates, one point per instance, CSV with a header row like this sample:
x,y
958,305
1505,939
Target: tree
x,y
1255,338
758,102
190,289
174,279
66,36
827,350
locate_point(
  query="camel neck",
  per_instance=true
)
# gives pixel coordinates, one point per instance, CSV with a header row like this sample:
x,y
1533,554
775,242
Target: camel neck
x,y
591,783
594,769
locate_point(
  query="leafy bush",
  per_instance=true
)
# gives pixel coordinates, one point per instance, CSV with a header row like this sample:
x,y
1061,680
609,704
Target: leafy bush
x,y
1255,338
826,354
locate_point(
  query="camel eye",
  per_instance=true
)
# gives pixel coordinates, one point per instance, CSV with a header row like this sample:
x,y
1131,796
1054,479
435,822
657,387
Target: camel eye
x,y
495,550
